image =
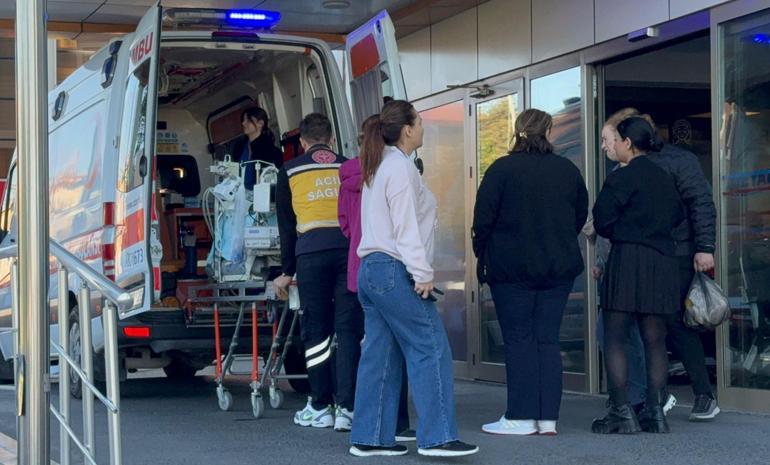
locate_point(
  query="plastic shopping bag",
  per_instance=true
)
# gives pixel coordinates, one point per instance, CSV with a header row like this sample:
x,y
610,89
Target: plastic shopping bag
x,y
706,306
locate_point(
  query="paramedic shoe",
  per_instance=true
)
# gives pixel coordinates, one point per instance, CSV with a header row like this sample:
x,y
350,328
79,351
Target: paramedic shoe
x,y
704,408
407,435
343,419
360,450
309,416
450,449
546,427
506,426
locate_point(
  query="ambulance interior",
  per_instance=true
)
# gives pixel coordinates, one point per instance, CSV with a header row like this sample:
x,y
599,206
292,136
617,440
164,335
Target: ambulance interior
x,y
202,93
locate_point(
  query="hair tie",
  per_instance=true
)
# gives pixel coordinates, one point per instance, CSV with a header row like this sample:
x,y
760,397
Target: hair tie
x,y
523,134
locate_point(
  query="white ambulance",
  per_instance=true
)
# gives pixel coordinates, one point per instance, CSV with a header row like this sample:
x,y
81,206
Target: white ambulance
x,y
133,132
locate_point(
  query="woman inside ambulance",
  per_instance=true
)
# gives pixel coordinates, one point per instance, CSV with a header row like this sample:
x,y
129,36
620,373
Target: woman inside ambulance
x,y
261,144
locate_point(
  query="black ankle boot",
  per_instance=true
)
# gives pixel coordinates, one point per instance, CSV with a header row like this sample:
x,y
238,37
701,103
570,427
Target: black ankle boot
x,y
620,417
652,419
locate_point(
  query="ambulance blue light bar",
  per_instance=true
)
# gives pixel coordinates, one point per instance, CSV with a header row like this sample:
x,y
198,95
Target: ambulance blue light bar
x,y
255,18
202,17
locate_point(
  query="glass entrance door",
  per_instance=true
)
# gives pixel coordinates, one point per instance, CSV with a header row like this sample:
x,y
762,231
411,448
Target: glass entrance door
x,y
741,107
492,115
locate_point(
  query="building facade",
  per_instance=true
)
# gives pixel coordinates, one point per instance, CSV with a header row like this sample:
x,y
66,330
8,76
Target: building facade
x,y
700,68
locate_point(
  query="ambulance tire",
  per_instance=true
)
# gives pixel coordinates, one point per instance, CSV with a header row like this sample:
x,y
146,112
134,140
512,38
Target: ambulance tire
x,y
76,386
179,370
295,365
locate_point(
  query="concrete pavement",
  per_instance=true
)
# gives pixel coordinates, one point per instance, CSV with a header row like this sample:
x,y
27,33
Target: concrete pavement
x,y
168,423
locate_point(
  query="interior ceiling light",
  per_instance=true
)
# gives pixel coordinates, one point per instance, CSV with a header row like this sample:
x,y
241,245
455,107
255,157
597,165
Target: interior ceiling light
x,y
336,4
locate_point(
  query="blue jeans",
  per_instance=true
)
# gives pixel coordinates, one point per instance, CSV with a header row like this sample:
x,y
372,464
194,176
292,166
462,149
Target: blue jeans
x,y
530,319
637,368
399,325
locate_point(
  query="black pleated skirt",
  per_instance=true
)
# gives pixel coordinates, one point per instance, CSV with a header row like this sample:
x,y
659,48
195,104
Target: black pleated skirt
x,y
639,279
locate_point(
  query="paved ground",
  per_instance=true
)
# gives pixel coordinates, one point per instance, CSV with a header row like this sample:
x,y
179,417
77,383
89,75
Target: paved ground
x,y
166,423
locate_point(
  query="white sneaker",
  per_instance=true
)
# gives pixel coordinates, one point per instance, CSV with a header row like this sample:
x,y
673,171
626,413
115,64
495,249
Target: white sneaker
x,y
505,426
546,427
670,403
343,419
309,416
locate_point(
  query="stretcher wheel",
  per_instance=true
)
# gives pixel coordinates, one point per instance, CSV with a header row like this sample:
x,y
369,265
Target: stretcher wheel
x,y
225,399
276,398
257,405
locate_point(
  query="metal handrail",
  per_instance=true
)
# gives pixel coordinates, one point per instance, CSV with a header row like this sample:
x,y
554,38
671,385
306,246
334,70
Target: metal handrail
x,y
117,299
108,289
84,379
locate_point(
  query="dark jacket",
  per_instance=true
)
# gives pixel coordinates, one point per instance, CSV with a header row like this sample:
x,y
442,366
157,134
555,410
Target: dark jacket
x,y
529,211
306,196
697,232
262,148
639,204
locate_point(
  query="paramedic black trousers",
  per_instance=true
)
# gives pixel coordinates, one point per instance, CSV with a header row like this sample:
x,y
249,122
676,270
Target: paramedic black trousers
x,y
329,309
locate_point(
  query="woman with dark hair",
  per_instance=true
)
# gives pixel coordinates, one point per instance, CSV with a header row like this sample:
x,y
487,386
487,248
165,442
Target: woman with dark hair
x,y
349,215
637,209
395,280
261,143
530,208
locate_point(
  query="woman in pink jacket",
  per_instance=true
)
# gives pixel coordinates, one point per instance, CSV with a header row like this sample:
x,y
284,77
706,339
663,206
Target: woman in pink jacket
x,y
349,214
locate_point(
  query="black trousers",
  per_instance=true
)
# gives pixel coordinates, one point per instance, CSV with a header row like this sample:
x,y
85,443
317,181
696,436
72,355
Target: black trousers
x,y
530,320
684,342
329,309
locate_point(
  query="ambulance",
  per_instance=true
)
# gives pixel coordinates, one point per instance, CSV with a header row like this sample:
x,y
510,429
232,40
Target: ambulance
x,y
133,134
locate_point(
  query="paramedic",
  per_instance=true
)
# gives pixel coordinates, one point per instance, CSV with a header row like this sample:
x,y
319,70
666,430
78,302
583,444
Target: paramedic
x,y
261,144
313,247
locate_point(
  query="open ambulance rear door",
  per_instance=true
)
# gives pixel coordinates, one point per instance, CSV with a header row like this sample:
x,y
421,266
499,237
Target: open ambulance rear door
x,y
374,70
137,268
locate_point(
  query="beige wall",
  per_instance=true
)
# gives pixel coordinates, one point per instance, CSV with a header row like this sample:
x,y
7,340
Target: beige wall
x,y
503,35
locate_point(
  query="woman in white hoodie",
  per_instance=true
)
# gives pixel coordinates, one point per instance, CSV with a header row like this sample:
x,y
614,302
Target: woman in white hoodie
x,y
395,284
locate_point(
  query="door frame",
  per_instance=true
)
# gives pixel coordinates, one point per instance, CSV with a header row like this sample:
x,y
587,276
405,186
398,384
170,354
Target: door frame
x,y
757,400
461,368
508,84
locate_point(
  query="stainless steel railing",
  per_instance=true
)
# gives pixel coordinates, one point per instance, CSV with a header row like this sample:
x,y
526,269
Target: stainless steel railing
x,y
115,299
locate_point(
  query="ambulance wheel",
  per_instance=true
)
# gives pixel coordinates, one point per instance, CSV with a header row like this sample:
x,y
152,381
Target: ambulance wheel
x,y
178,370
76,386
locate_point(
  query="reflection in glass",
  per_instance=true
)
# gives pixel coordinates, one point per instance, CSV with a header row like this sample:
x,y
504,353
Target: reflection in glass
x,y
443,156
559,95
494,134
745,185
494,123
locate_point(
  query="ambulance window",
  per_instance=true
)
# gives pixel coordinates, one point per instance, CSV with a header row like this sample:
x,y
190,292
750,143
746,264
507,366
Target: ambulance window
x,y
132,163
366,91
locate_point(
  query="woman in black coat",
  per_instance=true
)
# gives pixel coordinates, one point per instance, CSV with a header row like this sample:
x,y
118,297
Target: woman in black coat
x,y
530,208
261,144
637,209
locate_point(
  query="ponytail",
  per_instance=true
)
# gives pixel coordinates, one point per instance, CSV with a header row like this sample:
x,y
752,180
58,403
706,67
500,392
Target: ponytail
x,y
383,129
372,148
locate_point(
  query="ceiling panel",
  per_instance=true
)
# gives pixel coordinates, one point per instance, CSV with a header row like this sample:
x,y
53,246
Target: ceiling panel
x,y
119,14
297,15
70,11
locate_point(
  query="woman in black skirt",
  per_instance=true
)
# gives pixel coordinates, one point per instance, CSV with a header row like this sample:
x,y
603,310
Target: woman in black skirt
x,y
637,209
